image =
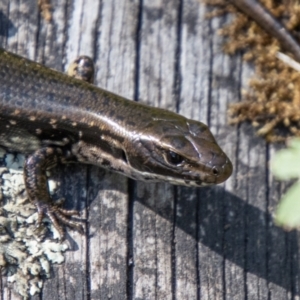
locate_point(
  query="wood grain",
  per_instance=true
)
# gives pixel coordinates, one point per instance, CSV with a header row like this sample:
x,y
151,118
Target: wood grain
x,y
158,241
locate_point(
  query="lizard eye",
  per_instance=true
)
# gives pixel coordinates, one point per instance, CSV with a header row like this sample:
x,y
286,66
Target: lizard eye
x,y
174,158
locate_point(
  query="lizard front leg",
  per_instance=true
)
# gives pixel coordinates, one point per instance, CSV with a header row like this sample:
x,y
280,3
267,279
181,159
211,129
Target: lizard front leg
x,y
36,185
45,158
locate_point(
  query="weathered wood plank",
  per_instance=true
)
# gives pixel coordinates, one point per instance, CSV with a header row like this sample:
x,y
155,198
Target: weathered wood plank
x,y
152,235
157,241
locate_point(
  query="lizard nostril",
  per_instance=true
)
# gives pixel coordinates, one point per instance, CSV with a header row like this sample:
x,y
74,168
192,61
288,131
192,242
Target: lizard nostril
x,y
215,171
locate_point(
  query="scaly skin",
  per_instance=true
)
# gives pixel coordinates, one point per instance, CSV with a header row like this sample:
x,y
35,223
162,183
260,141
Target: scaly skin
x,y
52,118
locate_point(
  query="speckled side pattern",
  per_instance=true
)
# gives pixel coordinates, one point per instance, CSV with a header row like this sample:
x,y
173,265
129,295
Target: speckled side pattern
x,y
51,117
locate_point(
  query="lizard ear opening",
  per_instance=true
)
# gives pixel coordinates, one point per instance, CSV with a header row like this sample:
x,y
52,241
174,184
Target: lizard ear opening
x,y
124,157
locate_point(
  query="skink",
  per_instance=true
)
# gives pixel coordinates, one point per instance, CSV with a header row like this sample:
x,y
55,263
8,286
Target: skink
x,y
53,118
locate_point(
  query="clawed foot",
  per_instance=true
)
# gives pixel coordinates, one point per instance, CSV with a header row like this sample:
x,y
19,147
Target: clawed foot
x,y
54,212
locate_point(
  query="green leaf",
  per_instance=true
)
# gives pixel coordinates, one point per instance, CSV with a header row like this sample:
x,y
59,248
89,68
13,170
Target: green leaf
x,y
288,211
286,163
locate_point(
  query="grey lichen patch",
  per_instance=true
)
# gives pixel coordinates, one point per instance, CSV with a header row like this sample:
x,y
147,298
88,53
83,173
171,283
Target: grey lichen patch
x,y
26,254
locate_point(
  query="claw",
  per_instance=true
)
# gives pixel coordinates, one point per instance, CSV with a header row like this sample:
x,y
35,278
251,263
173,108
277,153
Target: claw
x,y
75,224
55,213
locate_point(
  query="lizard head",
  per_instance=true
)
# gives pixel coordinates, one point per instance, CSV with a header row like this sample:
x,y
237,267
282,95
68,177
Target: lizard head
x,y
179,151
